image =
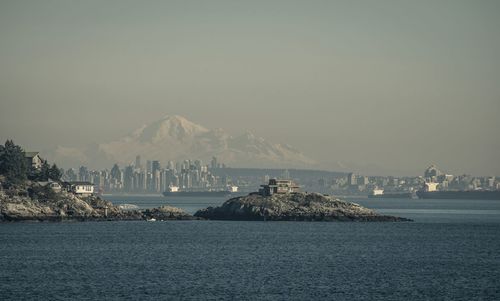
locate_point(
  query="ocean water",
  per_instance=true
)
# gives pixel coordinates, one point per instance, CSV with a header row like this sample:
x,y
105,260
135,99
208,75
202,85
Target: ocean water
x,y
450,252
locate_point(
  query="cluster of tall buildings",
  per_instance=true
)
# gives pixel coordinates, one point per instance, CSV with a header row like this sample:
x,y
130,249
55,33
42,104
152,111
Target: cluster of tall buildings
x,y
446,181
360,184
151,177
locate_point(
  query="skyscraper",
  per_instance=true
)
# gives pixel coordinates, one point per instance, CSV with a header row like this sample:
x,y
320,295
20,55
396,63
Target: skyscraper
x,y
137,162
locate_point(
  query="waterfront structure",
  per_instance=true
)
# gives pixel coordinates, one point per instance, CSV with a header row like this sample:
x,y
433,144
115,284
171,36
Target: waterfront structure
x,y
278,186
81,188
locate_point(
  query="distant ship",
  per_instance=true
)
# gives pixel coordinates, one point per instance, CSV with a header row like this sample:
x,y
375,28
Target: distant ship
x,y
379,193
175,191
401,195
430,191
461,194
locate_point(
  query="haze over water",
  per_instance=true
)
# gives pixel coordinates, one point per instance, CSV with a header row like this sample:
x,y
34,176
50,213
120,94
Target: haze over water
x,y
384,87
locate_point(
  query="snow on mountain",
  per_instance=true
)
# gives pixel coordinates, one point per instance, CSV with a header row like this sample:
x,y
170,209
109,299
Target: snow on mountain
x,y
176,138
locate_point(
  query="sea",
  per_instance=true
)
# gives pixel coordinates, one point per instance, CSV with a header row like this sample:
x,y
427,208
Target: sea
x,y
451,251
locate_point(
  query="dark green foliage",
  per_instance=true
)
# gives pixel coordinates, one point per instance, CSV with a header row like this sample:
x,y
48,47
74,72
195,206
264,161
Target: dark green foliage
x,y
54,173
43,193
12,162
32,173
44,171
14,167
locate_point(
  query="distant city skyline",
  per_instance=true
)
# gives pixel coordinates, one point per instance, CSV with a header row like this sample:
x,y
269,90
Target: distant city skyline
x,y
385,87
198,176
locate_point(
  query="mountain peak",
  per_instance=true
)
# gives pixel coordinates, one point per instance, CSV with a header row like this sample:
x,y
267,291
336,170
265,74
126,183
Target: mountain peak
x,y
170,127
174,137
175,118
179,120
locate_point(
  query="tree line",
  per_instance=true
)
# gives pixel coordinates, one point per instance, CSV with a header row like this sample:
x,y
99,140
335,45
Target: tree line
x,y
15,168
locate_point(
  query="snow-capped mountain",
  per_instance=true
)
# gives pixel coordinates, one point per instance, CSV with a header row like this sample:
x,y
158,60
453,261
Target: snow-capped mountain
x,y
176,138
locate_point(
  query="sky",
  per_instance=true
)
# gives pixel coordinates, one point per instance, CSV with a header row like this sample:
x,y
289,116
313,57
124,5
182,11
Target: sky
x,y
382,85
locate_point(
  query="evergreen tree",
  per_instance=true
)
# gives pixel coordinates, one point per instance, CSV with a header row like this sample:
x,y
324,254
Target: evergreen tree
x,y
12,162
32,173
54,173
44,171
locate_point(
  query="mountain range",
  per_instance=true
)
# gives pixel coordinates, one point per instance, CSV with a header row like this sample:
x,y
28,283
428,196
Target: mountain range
x,y
176,138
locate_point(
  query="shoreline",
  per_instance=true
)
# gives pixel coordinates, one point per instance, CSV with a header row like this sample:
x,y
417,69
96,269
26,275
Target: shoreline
x,y
130,194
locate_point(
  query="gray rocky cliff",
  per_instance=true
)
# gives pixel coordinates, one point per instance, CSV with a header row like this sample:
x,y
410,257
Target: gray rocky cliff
x,y
167,213
64,206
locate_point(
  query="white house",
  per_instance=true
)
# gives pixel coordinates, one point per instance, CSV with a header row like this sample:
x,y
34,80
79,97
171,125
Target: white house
x,y
83,188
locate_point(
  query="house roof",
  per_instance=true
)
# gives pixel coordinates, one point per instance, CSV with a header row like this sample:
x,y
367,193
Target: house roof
x,y
45,183
80,183
30,154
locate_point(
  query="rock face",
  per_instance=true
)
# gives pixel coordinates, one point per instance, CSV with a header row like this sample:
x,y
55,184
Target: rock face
x,y
292,207
68,207
167,213
65,207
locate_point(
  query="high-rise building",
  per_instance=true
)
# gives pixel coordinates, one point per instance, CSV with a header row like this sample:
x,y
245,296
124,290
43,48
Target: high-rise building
x,y
155,174
155,165
138,162
432,172
128,178
352,179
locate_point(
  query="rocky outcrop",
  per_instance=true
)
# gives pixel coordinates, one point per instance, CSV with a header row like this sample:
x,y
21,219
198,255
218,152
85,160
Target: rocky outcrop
x,y
292,207
18,206
65,206
167,213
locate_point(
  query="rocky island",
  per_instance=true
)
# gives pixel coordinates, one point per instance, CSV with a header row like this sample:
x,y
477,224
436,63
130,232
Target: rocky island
x,y
295,206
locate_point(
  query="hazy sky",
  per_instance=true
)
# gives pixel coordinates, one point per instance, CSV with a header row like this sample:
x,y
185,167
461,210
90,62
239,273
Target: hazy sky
x,y
399,84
